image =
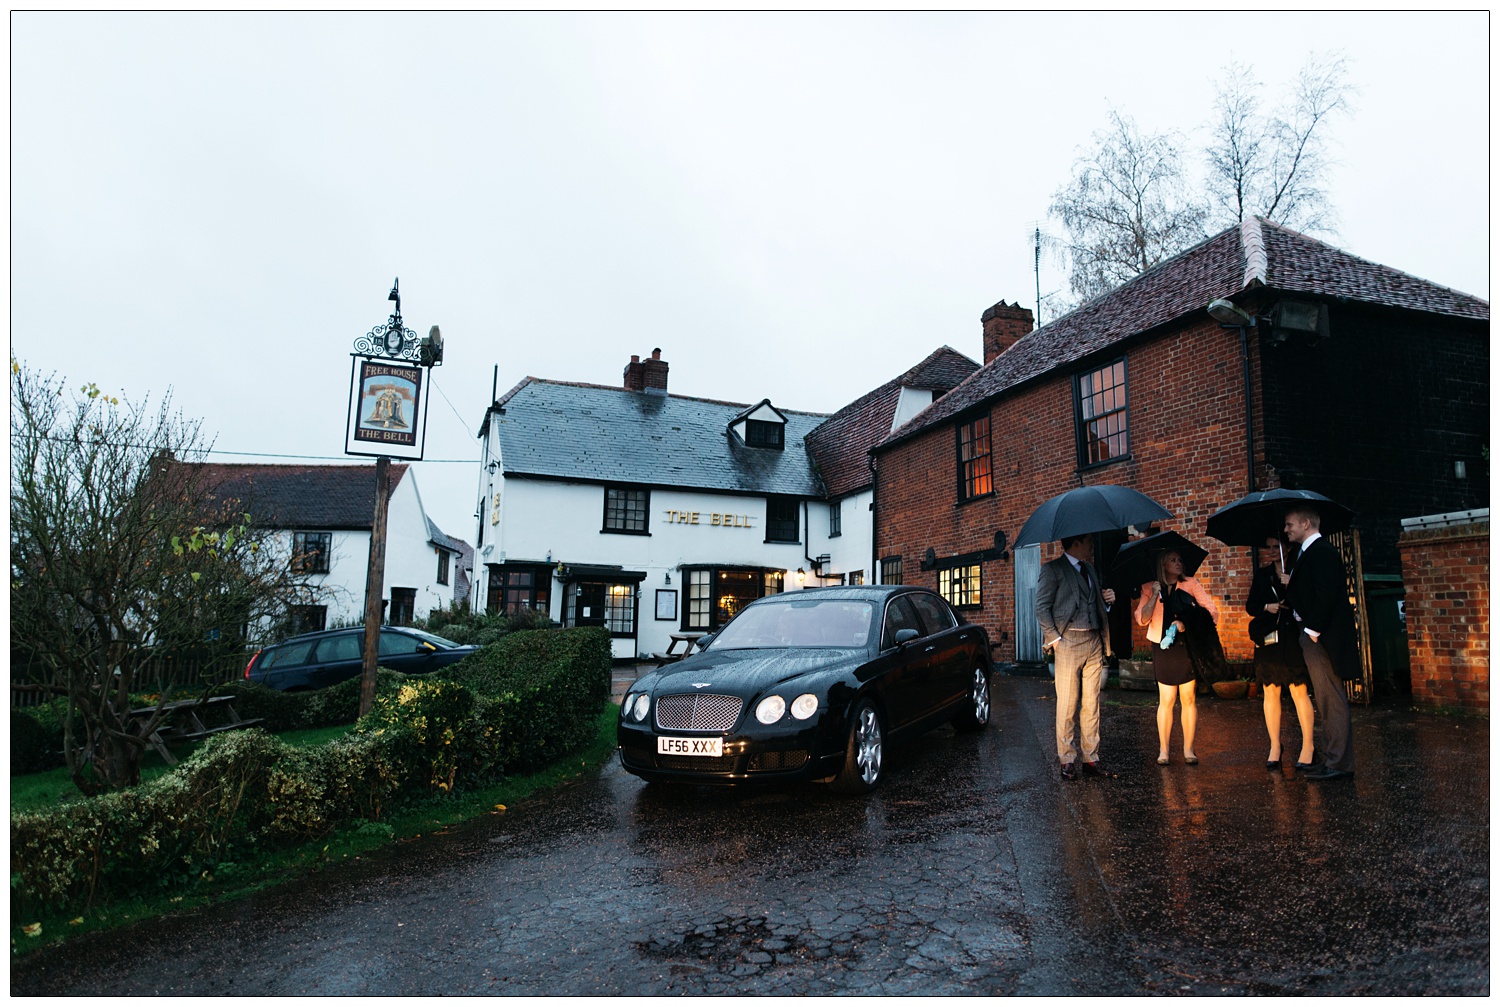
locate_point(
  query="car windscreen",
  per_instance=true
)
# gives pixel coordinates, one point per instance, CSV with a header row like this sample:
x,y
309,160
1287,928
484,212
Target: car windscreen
x,y
810,623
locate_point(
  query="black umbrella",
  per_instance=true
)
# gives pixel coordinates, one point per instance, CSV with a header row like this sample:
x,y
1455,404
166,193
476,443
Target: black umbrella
x,y
1252,519
1135,563
1089,509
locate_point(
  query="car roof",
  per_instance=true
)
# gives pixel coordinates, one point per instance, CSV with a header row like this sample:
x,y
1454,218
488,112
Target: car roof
x,y
320,634
860,592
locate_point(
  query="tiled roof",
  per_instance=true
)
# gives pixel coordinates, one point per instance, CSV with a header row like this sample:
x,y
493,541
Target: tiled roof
x,y
1257,253
300,496
598,433
841,446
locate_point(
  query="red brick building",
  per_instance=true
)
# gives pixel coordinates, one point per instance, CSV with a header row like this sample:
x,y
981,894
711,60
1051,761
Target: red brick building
x,y
1363,383
1445,564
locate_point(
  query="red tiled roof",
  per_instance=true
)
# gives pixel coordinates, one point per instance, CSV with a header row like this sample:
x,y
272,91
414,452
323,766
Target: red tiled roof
x,y
841,444
300,496
1236,259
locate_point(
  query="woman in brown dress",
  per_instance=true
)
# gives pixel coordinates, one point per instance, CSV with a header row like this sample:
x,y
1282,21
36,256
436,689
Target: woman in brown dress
x,y
1163,602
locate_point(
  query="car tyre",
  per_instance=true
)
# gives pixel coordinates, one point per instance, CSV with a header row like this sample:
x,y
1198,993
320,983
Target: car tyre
x,y
975,713
864,754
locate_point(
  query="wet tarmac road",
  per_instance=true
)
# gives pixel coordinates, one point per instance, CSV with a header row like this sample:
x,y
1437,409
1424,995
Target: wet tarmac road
x,y
973,869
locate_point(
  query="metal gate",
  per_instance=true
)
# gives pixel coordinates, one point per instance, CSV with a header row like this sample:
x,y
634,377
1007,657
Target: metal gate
x,y
1347,543
1028,633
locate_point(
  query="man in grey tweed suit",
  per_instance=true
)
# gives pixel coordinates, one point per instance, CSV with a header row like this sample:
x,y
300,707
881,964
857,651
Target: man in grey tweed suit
x,y
1072,606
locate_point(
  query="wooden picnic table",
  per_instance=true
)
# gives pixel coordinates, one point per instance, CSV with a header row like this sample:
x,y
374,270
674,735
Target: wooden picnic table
x,y
688,642
192,720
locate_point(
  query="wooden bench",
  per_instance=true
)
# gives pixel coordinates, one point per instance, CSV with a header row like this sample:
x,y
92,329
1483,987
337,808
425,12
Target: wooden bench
x,y
185,722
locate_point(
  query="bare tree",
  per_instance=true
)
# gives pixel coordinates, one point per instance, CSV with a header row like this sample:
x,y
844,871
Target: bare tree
x,y
1276,165
124,567
1127,207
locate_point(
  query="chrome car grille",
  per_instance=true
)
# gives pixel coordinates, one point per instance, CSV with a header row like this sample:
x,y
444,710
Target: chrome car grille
x,y
697,712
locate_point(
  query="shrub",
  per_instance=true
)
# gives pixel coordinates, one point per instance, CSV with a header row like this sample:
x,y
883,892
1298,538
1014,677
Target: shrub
x,y
36,740
513,707
294,711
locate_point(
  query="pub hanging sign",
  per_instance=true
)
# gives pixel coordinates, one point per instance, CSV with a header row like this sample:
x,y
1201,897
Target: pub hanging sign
x,y
387,409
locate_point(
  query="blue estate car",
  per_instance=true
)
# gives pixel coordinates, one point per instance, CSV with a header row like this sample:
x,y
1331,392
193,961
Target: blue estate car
x,y
809,685
315,660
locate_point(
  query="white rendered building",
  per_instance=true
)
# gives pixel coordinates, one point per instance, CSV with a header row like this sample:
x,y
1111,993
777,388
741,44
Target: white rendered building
x,y
653,514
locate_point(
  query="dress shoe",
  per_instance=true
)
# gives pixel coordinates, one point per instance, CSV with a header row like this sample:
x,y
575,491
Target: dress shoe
x,y
1191,760
1070,770
1273,765
1095,768
1307,767
1331,774
1161,760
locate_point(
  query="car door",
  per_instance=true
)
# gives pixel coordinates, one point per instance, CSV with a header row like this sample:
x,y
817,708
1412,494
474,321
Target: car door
x,y
409,655
901,670
947,643
285,667
339,657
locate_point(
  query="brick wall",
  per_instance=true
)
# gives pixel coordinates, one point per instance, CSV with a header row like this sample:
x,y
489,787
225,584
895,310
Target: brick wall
x,y
1187,450
1446,572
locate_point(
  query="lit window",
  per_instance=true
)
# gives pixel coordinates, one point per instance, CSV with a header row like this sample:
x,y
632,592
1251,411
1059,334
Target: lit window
x,y
960,586
975,477
1103,430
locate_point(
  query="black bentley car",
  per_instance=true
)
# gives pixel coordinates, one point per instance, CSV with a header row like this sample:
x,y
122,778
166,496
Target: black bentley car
x,y
809,685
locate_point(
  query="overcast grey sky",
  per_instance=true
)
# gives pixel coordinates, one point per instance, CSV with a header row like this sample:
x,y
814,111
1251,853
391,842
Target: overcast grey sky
x,y
791,206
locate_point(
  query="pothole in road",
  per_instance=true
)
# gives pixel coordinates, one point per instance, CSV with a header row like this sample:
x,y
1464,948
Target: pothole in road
x,y
743,944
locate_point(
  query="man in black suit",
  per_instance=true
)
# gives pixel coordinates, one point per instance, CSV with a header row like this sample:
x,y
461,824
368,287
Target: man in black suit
x,y
1320,603
1071,607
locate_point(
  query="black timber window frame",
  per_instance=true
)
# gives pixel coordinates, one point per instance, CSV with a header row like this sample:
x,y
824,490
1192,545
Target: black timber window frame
x,y
310,551
782,521
307,619
836,519
715,594
962,586
765,434
890,570
1101,402
611,605
976,466
514,586
627,510
444,559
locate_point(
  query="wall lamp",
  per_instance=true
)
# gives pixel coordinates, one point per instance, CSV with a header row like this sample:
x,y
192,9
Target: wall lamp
x,y
801,576
1226,312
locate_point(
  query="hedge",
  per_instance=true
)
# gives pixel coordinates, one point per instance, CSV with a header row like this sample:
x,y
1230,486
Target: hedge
x,y
512,707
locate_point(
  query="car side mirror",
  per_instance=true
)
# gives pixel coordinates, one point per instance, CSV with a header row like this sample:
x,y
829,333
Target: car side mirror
x,y
429,646
705,640
905,636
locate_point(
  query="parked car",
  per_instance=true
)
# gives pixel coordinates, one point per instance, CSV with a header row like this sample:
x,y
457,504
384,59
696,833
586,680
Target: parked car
x,y
809,685
315,660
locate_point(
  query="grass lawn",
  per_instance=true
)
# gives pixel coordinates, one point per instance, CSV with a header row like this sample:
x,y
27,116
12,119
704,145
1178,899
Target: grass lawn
x,y
233,881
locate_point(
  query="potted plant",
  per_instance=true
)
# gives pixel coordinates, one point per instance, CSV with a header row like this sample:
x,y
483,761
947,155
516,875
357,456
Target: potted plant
x,y
1236,684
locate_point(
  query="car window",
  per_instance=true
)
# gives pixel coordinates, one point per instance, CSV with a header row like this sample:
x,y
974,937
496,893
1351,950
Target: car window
x,y
344,647
441,642
809,622
936,616
286,657
392,644
899,614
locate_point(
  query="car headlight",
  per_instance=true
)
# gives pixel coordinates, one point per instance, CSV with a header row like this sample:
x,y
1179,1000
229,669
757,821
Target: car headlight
x,y
804,706
770,709
642,707
625,704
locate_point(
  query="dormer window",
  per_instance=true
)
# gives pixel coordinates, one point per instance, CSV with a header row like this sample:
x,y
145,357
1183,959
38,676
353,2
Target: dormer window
x,y
760,434
760,426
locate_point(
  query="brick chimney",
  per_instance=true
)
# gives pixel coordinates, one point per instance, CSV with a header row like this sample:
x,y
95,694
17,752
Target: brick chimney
x,y
647,375
1003,325
635,373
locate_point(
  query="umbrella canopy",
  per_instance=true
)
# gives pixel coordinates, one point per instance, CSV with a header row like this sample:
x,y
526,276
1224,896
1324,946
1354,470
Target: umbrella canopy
x,y
1135,563
1251,519
1086,510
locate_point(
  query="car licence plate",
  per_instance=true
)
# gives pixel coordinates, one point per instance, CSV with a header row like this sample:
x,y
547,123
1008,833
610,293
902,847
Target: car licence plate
x,y
690,746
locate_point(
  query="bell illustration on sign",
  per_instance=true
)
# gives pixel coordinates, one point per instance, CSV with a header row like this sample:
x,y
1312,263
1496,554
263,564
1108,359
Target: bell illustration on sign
x,y
387,409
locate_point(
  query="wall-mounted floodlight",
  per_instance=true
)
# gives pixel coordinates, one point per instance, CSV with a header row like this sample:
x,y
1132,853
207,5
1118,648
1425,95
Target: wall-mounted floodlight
x,y
1226,312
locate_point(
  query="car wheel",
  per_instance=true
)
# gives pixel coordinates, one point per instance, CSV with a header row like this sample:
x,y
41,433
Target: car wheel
x,y
975,714
864,755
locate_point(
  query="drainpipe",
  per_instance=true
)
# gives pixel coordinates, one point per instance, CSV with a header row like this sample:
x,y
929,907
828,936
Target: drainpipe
x,y
1249,417
874,523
